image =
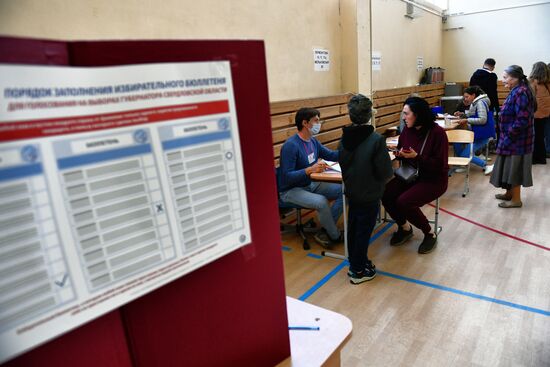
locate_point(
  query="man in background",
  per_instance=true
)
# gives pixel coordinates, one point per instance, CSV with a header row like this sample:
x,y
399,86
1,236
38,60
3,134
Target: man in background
x,y
486,79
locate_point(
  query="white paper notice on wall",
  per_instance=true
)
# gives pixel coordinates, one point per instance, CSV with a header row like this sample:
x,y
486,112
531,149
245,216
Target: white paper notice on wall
x,y
321,59
113,182
376,60
419,63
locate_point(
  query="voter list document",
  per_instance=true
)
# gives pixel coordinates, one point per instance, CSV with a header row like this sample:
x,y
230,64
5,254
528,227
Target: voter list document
x,y
113,182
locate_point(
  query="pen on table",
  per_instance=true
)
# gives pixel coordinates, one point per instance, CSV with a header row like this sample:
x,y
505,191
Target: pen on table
x,y
303,328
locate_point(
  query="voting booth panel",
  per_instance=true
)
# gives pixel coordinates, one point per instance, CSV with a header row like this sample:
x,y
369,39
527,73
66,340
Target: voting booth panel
x,y
229,312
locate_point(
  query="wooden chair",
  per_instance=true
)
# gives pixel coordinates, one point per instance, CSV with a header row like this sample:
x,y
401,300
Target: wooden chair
x,y
463,137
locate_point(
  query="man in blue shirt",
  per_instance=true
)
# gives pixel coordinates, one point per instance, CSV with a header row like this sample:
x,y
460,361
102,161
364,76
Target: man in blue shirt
x,y
302,155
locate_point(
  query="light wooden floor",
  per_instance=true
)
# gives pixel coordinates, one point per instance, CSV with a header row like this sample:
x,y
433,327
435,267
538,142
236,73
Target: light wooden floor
x,y
448,309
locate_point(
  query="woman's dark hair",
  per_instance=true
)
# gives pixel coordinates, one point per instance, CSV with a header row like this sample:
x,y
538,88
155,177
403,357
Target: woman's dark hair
x,y
474,89
424,115
305,113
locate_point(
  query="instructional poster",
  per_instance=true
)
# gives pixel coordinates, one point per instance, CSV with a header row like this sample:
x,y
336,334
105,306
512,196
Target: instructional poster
x,y
376,61
321,59
113,182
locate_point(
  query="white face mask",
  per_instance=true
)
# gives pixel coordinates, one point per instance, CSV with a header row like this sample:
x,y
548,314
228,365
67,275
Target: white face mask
x,y
315,129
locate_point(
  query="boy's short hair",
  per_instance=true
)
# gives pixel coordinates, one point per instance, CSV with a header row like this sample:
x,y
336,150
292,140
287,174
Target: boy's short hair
x,y
360,109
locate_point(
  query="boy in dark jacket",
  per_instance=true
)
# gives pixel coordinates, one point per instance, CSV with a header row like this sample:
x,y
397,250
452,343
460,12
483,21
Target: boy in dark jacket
x,y
366,167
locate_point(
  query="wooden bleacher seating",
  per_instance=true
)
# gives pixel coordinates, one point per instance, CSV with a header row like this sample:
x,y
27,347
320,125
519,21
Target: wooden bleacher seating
x,y
389,102
502,92
334,112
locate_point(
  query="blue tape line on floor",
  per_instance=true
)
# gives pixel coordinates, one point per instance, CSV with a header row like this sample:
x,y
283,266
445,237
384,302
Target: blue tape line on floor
x,y
315,256
322,281
286,248
467,294
381,232
421,282
344,263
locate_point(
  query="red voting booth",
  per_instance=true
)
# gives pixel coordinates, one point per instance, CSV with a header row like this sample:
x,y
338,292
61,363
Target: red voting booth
x,y
231,312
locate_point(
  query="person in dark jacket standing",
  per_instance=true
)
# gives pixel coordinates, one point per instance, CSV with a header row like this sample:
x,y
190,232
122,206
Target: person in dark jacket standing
x,y
366,167
486,79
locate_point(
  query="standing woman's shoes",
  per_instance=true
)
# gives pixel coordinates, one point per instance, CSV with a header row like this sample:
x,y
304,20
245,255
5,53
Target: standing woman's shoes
x,y
503,197
510,204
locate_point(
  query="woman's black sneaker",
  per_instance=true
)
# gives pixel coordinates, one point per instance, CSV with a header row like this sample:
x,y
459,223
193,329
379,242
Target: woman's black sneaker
x,y
428,244
401,236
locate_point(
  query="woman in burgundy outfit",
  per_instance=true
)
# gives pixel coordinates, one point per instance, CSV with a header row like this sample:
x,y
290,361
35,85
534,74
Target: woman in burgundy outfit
x,y
404,200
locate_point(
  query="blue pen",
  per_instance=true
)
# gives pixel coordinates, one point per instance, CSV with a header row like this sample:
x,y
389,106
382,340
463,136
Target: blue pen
x,y
303,328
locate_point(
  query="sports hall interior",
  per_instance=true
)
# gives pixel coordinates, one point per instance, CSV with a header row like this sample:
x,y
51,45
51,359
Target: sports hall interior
x,y
482,298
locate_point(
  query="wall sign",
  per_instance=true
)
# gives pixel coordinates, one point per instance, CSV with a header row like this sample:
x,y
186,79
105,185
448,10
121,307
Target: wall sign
x,y
419,63
376,61
321,59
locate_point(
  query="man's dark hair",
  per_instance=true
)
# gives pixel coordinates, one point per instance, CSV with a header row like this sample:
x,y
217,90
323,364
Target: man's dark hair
x,y
491,62
305,113
424,115
474,89
360,109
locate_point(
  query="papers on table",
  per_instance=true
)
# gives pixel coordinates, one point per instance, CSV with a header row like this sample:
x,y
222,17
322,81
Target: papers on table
x,y
447,116
333,167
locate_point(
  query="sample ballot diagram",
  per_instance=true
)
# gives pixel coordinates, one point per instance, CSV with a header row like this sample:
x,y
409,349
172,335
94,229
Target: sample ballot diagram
x,y
199,157
34,278
114,201
114,181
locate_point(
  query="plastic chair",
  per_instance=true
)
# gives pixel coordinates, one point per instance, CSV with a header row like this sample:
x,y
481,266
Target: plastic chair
x,y
285,209
463,137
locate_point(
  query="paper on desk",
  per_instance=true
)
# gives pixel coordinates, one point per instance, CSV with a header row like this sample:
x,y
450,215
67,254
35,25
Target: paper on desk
x,y
447,116
333,166
392,140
